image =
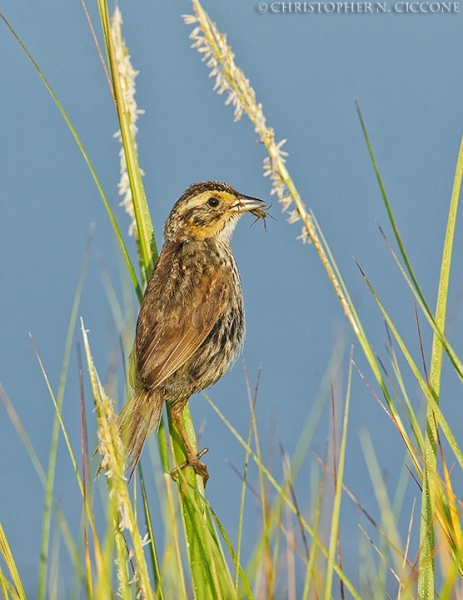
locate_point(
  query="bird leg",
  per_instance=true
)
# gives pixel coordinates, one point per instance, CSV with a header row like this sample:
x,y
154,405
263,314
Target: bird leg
x,y
193,457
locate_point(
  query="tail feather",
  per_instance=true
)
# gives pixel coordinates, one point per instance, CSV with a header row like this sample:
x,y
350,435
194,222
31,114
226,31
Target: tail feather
x,y
139,417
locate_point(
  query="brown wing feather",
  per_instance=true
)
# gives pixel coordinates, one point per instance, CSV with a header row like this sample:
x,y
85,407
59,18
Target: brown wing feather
x,y
172,326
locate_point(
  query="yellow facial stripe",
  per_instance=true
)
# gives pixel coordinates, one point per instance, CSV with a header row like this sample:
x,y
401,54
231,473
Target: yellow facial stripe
x,y
201,199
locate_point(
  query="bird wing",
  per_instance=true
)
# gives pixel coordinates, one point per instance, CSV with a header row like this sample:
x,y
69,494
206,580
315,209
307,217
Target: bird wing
x,y
171,327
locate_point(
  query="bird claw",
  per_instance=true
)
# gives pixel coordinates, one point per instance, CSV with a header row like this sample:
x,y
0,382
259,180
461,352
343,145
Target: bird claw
x,y
195,462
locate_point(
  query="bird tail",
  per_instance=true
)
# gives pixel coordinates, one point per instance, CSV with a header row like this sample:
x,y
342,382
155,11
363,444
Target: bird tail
x,y
139,417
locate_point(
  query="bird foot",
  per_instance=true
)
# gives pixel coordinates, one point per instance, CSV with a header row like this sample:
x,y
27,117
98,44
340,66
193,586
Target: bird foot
x,y
195,462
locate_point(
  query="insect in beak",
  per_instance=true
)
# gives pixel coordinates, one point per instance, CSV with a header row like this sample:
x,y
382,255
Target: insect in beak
x,y
262,212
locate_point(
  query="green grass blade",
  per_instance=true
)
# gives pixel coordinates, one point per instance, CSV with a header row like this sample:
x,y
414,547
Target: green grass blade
x,y
404,401
423,386
146,239
312,572
411,448
267,525
427,543
252,398
152,544
242,575
338,482
390,214
210,575
389,525
456,362
5,552
6,588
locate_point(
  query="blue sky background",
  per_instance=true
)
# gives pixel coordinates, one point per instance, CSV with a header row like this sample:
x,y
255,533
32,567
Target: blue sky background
x,y
405,71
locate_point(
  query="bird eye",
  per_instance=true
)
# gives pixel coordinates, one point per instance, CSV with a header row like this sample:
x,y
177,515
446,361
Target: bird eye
x,y
213,202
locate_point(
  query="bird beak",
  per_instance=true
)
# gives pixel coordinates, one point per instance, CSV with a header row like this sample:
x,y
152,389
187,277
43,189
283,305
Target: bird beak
x,y
247,203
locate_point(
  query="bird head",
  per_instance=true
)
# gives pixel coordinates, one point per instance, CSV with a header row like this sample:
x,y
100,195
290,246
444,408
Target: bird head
x,y
207,210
